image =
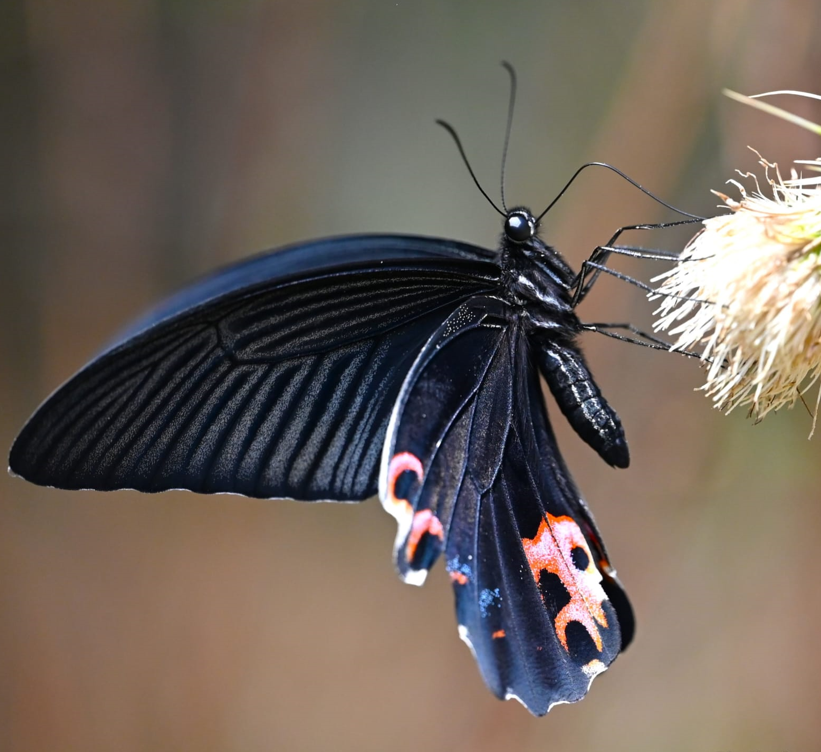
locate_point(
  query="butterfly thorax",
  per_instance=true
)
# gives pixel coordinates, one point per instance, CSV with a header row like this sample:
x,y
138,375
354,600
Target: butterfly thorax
x,y
538,280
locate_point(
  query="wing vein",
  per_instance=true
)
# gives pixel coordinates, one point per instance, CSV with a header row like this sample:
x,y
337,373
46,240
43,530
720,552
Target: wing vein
x,y
181,390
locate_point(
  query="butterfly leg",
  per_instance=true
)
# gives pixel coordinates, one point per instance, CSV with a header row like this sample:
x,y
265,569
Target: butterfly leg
x,y
649,340
594,265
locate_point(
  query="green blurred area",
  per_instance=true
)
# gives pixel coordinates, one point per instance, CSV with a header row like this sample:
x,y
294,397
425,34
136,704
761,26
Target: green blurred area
x,y
144,143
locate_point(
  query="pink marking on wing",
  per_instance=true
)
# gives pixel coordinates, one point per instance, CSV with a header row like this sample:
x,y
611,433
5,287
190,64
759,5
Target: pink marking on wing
x,y
551,550
398,465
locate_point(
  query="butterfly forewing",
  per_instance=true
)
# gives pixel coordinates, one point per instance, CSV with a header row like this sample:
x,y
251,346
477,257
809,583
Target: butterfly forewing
x,y
283,389
472,470
307,259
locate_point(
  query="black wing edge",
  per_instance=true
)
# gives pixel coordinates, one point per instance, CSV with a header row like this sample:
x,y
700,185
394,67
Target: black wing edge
x,y
299,259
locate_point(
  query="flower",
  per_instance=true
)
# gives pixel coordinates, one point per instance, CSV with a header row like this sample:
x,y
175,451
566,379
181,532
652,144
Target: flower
x,y
747,291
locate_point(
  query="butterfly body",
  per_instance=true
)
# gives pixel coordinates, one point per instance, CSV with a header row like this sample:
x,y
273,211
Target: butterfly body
x,y
397,365
539,283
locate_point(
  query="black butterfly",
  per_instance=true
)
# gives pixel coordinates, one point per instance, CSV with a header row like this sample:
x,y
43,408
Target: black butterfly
x,y
407,365
398,365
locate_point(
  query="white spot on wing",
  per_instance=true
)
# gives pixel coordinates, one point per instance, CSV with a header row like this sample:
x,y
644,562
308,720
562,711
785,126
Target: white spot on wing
x,y
594,668
415,577
465,637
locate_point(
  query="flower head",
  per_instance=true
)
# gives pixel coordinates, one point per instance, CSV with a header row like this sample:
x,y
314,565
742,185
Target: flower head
x,y
747,290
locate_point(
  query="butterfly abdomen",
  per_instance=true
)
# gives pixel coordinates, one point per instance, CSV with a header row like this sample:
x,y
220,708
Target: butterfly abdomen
x,y
581,400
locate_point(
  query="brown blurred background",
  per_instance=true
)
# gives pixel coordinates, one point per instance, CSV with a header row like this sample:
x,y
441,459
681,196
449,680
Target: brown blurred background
x,y
144,143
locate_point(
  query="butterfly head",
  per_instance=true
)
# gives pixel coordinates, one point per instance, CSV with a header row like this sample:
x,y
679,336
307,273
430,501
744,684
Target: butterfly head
x,y
520,225
533,270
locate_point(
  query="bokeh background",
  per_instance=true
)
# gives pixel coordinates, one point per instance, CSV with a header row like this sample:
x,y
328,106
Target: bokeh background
x,y
145,143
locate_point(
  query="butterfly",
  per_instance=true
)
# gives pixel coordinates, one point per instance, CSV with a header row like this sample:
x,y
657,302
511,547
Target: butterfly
x,y
398,365
401,366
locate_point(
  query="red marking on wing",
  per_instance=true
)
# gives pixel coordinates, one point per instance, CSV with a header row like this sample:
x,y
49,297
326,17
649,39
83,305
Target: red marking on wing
x,y
424,521
459,577
398,465
498,634
551,550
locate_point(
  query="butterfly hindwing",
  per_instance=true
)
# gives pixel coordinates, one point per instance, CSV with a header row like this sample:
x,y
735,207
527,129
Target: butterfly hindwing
x,y
436,419
472,471
274,389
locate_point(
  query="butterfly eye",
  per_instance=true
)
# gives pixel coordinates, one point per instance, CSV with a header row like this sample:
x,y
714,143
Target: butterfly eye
x,y
520,226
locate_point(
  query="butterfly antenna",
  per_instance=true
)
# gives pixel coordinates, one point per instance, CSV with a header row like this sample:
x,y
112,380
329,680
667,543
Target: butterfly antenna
x,y
449,128
510,107
625,177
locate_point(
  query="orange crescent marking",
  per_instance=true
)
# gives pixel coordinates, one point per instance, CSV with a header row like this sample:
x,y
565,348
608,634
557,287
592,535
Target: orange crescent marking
x,y
551,550
498,634
424,521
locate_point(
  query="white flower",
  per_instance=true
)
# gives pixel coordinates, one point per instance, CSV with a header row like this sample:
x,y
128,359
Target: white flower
x,y
747,290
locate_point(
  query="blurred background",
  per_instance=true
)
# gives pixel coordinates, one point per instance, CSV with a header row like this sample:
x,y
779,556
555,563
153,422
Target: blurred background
x,y
145,143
